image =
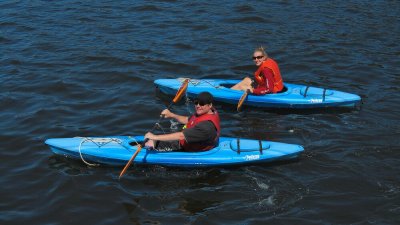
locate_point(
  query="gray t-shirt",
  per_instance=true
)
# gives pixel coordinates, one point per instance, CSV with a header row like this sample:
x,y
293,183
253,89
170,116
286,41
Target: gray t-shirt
x,y
204,131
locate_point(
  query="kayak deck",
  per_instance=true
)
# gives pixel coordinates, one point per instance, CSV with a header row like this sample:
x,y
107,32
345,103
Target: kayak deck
x,y
293,96
117,150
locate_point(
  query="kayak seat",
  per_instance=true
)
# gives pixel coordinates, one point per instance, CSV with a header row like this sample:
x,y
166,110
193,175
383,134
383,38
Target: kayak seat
x,y
226,85
244,145
284,89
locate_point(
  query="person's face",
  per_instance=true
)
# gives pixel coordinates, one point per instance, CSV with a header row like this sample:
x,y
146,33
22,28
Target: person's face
x,y
202,108
258,58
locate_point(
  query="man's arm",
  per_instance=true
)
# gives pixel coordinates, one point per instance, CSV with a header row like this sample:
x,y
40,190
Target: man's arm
x,y
179,118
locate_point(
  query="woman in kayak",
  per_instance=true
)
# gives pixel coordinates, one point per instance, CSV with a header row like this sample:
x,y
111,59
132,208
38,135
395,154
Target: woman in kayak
x,y
267,78
201,133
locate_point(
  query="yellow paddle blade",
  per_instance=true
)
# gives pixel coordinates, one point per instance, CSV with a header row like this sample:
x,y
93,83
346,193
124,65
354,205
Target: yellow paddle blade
x,y
130,161
181,91
241,100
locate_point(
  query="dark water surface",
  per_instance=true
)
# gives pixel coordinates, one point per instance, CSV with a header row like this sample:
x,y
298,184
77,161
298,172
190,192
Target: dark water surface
x,y
86,68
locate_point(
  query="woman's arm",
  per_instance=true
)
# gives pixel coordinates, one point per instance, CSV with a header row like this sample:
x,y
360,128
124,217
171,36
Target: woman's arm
x,y
265,85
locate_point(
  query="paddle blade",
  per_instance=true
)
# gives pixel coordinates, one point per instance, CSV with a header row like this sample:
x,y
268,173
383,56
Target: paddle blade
x,y
130,161
241,100
181,91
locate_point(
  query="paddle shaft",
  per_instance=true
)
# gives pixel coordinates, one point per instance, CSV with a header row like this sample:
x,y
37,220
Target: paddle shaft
x,y
161,117
155,125
242,99
130,160
177,97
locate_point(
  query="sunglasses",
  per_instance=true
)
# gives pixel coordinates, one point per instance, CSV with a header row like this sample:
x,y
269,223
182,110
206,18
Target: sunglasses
x,y
257,57
197,102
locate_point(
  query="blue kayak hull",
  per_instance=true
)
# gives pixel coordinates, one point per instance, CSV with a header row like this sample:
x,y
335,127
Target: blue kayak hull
x,y
294,96
117,150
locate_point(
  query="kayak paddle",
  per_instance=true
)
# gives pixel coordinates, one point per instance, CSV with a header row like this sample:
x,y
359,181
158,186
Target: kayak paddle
x,y
241,100
176,99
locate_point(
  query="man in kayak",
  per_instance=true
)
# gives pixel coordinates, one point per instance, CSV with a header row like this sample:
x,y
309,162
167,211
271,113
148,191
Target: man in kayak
x,y
201,133
267,78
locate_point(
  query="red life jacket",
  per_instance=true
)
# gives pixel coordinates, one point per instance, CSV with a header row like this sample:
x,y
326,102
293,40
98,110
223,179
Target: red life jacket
x,y
272,65
203,146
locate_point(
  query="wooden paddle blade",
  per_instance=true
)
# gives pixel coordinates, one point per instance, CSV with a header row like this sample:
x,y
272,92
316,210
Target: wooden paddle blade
x,y
181,91
241,100
130,161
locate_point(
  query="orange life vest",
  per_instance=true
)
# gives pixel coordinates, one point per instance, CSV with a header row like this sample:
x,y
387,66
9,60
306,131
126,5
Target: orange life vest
x,y
272,65
193,120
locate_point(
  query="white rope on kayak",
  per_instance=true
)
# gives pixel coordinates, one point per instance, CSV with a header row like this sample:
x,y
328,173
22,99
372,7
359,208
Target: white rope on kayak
x,y
212,85
99,142
196,82
80,153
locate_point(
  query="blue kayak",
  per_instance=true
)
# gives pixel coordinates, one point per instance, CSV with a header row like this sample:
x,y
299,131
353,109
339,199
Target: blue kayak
x,y
293,95
117,150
